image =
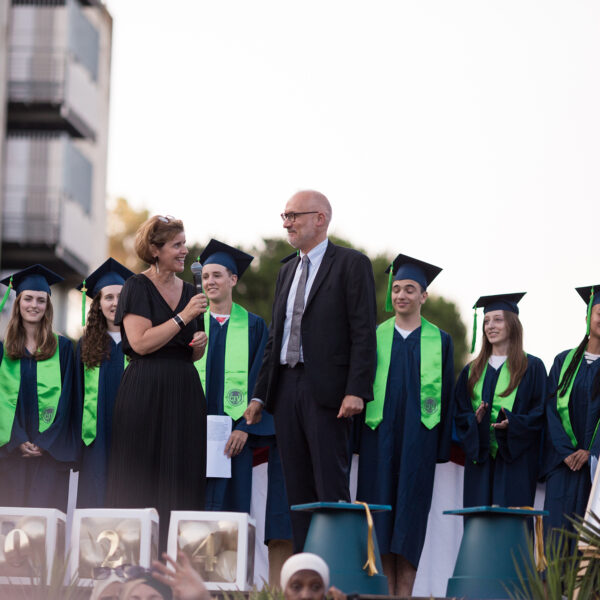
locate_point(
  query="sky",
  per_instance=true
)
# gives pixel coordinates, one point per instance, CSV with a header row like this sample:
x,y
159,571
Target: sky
x,y
463,133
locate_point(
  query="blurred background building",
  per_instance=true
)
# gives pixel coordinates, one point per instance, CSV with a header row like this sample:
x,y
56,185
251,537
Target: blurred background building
x,y
55,59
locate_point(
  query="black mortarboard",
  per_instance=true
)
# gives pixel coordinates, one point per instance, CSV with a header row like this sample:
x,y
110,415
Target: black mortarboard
x,y
586,294
591,297
406,267
222,254
110,272
500,302
36,278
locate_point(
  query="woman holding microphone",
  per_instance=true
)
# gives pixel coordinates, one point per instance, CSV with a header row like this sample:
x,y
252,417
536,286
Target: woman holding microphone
x,y
158,455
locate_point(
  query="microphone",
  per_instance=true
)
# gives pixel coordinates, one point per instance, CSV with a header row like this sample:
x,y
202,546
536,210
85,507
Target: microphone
x,y
196,268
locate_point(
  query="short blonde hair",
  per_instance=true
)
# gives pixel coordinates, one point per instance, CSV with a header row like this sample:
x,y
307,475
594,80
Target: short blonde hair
x,y
156,231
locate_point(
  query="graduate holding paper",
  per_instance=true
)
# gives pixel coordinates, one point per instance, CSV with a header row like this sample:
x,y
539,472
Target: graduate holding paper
x,y
228,369
100,363
37,441
499,410
408,424
572,418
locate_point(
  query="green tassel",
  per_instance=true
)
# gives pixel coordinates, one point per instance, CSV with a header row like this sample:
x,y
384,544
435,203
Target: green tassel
x,y
6,294
474,338
589,312
198,258
388,297
83,291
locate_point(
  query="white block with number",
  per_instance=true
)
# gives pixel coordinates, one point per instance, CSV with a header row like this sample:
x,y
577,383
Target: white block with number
x,y
111,537
220,546
29,539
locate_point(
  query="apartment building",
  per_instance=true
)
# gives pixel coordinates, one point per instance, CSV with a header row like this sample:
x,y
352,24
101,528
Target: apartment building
x,y
55,58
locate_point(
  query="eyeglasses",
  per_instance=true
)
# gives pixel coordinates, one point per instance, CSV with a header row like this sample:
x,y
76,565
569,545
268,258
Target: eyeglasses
x,y
291,216
166,219
123,571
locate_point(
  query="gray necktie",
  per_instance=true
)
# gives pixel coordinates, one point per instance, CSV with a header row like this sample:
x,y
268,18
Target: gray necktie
x,y
293,350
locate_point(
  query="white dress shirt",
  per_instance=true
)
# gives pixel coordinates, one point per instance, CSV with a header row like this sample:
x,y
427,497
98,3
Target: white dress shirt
x,y
315,257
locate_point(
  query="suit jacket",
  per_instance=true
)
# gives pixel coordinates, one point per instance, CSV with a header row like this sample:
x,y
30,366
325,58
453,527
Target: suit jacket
x,y
338,329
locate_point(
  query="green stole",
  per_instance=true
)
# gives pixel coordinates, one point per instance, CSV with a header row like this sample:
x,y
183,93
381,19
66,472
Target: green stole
x,y
91,378
235,386
49,386
431,373
562,402
498,402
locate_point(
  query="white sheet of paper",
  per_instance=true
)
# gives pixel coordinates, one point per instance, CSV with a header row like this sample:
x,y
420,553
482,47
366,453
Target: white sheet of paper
x,y
218,430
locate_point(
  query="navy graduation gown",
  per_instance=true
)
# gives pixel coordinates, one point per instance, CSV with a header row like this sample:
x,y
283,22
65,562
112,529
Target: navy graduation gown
x,y
41,481
509,479
567,492
233,494
93,468
397,460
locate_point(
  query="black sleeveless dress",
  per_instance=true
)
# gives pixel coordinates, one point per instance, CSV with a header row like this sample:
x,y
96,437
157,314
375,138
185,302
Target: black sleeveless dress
x,y
158,452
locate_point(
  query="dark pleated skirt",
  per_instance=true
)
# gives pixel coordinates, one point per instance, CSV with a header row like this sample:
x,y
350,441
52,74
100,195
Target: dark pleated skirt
x,y
158,450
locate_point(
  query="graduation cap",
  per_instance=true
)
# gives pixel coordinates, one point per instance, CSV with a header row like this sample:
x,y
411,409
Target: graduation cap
x,y
35,278
406,267
231,258
495,302
110,272
591,298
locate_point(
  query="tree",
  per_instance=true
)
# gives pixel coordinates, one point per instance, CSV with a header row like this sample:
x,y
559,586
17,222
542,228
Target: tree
x,y
123,222
256,288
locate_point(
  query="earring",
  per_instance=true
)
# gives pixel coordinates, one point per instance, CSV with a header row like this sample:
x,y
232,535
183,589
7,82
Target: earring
x,y
156,266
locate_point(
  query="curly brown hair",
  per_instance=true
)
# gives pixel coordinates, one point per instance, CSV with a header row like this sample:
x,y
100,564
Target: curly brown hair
x,y
95,344
16,336
516,360
156,231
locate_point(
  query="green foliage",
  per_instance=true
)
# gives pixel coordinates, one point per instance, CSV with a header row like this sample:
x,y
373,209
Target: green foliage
x,y
43,587
571,573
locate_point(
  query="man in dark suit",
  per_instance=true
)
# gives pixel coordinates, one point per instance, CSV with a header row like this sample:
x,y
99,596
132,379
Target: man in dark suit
x,y
320,358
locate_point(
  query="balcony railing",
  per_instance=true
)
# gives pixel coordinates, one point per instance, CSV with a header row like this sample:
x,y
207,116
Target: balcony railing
x,y
49,89
31,216
37,76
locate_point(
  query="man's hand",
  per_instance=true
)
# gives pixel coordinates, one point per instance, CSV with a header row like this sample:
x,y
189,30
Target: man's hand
x,y
29,450
576,460
235,443
253,414
351,405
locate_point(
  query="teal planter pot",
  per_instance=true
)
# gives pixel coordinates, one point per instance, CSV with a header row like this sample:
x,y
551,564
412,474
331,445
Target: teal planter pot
x,y
338,534
493,539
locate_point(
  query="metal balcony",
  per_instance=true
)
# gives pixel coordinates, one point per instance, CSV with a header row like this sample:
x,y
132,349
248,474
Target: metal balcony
x,y
47,214
48,90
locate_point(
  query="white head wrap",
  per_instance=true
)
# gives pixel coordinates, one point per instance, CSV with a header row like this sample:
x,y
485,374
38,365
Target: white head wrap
x,y
301,562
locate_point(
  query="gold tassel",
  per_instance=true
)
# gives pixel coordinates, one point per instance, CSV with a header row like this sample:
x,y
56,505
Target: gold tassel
x,y
540,557
370,565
